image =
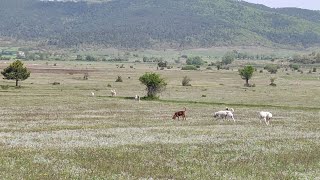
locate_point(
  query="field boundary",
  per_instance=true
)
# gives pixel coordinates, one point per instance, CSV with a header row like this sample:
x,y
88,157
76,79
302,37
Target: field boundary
x,y
220,103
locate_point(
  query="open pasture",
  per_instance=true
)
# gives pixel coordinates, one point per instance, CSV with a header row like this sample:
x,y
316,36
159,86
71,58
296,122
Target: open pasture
x,y
61,132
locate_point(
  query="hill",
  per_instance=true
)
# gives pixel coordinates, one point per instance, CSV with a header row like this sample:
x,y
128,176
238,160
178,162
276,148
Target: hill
x,y
148,23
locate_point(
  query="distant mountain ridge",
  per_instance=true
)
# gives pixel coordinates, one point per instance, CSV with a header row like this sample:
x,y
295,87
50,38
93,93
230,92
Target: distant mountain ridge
x,y
149,23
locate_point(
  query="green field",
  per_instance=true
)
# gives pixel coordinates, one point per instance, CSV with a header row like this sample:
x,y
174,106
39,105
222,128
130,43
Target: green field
x,y
62,132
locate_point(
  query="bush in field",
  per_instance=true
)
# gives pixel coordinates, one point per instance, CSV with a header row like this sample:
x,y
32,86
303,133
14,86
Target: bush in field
x,y
163,64
190,67
314,69
228,58
90,58
195,61
271,68
186,81
294,66
272,81
246,74
154,84
119,79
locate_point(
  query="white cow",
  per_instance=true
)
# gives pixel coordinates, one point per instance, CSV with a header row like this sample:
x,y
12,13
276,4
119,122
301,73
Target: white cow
x,y
113,92
266,116
137,98
224,114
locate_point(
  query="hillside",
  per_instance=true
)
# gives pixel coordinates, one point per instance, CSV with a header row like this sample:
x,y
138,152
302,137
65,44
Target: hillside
x,y
148,23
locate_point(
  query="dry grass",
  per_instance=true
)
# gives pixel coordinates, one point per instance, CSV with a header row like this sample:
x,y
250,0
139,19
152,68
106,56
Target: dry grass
x,y
61,132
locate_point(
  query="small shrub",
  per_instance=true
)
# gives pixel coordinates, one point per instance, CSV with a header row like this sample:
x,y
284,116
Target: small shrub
x,y
203,95
218,67
272,81
122,66
55,83
250,85
261,71
4,87
131,67
109,85
86,76
119,79
186,81
209,68
314,69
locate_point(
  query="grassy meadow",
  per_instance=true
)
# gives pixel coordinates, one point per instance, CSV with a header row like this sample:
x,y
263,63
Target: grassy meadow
x,y
62,132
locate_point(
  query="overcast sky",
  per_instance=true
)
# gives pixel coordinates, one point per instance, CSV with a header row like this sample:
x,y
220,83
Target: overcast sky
x,y
305,4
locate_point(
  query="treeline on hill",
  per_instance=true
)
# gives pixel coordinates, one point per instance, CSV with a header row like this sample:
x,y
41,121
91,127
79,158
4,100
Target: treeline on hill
x,y
145,23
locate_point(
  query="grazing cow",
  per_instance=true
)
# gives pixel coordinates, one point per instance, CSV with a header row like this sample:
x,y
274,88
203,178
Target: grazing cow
x,y
224,115
180,113
137,98
113,92
266,116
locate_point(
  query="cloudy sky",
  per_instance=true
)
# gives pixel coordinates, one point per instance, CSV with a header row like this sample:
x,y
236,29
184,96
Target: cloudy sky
x,y
305,4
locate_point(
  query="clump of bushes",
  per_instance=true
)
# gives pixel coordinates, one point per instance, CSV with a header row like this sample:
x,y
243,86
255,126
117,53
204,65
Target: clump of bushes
x,y
186,81
189,67
119,79
294,66
197,60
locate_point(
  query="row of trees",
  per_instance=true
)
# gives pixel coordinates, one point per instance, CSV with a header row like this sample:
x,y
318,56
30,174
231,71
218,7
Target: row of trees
x,y
153,82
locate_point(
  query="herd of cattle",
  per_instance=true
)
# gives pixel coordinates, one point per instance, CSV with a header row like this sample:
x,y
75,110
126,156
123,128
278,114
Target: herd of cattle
x,y
226,114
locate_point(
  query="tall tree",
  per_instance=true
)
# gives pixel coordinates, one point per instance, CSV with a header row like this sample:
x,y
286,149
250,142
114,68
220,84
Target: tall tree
x,y
154,83
246,73
16,71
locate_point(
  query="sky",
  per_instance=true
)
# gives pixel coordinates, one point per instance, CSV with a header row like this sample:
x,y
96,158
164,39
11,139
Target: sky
x,y
304,4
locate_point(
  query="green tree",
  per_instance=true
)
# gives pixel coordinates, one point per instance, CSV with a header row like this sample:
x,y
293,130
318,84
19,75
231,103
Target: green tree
x,y
228,58
16,71
154,83
246,73
197,60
